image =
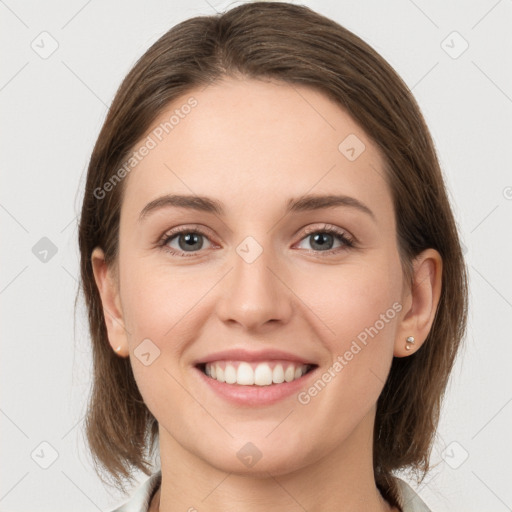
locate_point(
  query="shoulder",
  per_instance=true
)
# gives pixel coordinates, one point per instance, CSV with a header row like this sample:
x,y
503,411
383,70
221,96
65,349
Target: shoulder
x,y
409,499
141,496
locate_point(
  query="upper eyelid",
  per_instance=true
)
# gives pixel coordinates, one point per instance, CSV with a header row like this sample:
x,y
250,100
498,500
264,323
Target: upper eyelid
x,y
171,233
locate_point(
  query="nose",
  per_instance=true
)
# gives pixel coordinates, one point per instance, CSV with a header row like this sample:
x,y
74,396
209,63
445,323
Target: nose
x,y
255,293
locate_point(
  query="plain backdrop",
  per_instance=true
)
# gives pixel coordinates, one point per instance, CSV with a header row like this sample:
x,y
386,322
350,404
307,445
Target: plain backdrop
x,y
61,65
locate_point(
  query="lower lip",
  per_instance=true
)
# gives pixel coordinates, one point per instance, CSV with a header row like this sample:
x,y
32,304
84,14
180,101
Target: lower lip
x,y
256,395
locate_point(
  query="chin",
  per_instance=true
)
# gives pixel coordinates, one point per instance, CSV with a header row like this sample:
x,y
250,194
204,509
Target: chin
x,y
257,460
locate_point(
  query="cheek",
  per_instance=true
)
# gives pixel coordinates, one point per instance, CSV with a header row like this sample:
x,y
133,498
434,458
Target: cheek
x,y
356,300
154,300
158,310
162,311
362,312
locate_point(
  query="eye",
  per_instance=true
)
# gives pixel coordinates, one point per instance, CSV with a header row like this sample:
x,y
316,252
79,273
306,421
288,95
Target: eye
x,y
188,240
323,238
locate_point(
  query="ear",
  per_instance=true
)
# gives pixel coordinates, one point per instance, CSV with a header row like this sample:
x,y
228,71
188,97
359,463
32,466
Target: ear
x,y
108,289
420,302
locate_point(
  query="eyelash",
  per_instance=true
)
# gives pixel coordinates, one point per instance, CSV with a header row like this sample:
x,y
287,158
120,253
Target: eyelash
x,y
341,235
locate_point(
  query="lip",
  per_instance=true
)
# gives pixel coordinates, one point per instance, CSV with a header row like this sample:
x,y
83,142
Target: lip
x,y
241,354
252,396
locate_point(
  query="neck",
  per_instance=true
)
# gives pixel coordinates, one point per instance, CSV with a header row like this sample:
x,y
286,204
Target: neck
x,y
341,480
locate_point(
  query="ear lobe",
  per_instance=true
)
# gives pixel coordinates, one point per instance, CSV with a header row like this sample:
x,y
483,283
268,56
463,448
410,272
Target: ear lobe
x,y
112,311
423,298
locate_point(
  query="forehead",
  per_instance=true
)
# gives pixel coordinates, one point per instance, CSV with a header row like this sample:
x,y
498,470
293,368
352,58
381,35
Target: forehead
x,y
250,144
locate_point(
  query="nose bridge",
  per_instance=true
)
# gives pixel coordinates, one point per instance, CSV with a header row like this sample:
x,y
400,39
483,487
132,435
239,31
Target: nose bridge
x,y
254,295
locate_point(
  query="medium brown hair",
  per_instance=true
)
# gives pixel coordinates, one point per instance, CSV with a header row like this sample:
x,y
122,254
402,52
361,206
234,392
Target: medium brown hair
x,y
293,44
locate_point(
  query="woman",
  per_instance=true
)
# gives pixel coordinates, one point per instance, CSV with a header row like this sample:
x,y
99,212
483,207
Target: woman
x,y
273,274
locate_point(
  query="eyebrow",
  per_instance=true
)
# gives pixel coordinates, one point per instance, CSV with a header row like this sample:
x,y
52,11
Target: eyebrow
x,y
209,205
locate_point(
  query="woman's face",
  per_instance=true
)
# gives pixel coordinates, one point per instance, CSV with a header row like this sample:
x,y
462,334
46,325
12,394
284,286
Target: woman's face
x,y
259,277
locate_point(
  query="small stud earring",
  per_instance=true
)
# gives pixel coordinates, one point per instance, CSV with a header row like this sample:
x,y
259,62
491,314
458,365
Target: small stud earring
x,y
118,348
410,340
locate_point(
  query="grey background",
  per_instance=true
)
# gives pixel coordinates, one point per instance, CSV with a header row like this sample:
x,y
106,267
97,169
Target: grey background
x,y
52,110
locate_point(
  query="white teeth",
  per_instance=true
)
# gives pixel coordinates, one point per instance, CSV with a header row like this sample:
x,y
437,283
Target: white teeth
x,y
244,374
289,374
259,374
230,374
263,375
278,374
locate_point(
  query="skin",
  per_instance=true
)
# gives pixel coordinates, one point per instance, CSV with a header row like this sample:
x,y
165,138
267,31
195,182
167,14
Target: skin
x,y
252,145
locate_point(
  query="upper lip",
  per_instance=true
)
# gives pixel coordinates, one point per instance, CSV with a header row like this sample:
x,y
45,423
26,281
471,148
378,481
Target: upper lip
x,y
241,354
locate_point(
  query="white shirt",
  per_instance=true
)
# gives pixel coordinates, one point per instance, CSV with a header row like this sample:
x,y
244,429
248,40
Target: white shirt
x,y
141,497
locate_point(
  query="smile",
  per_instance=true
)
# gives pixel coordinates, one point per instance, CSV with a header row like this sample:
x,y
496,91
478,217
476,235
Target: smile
x,y
264,373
